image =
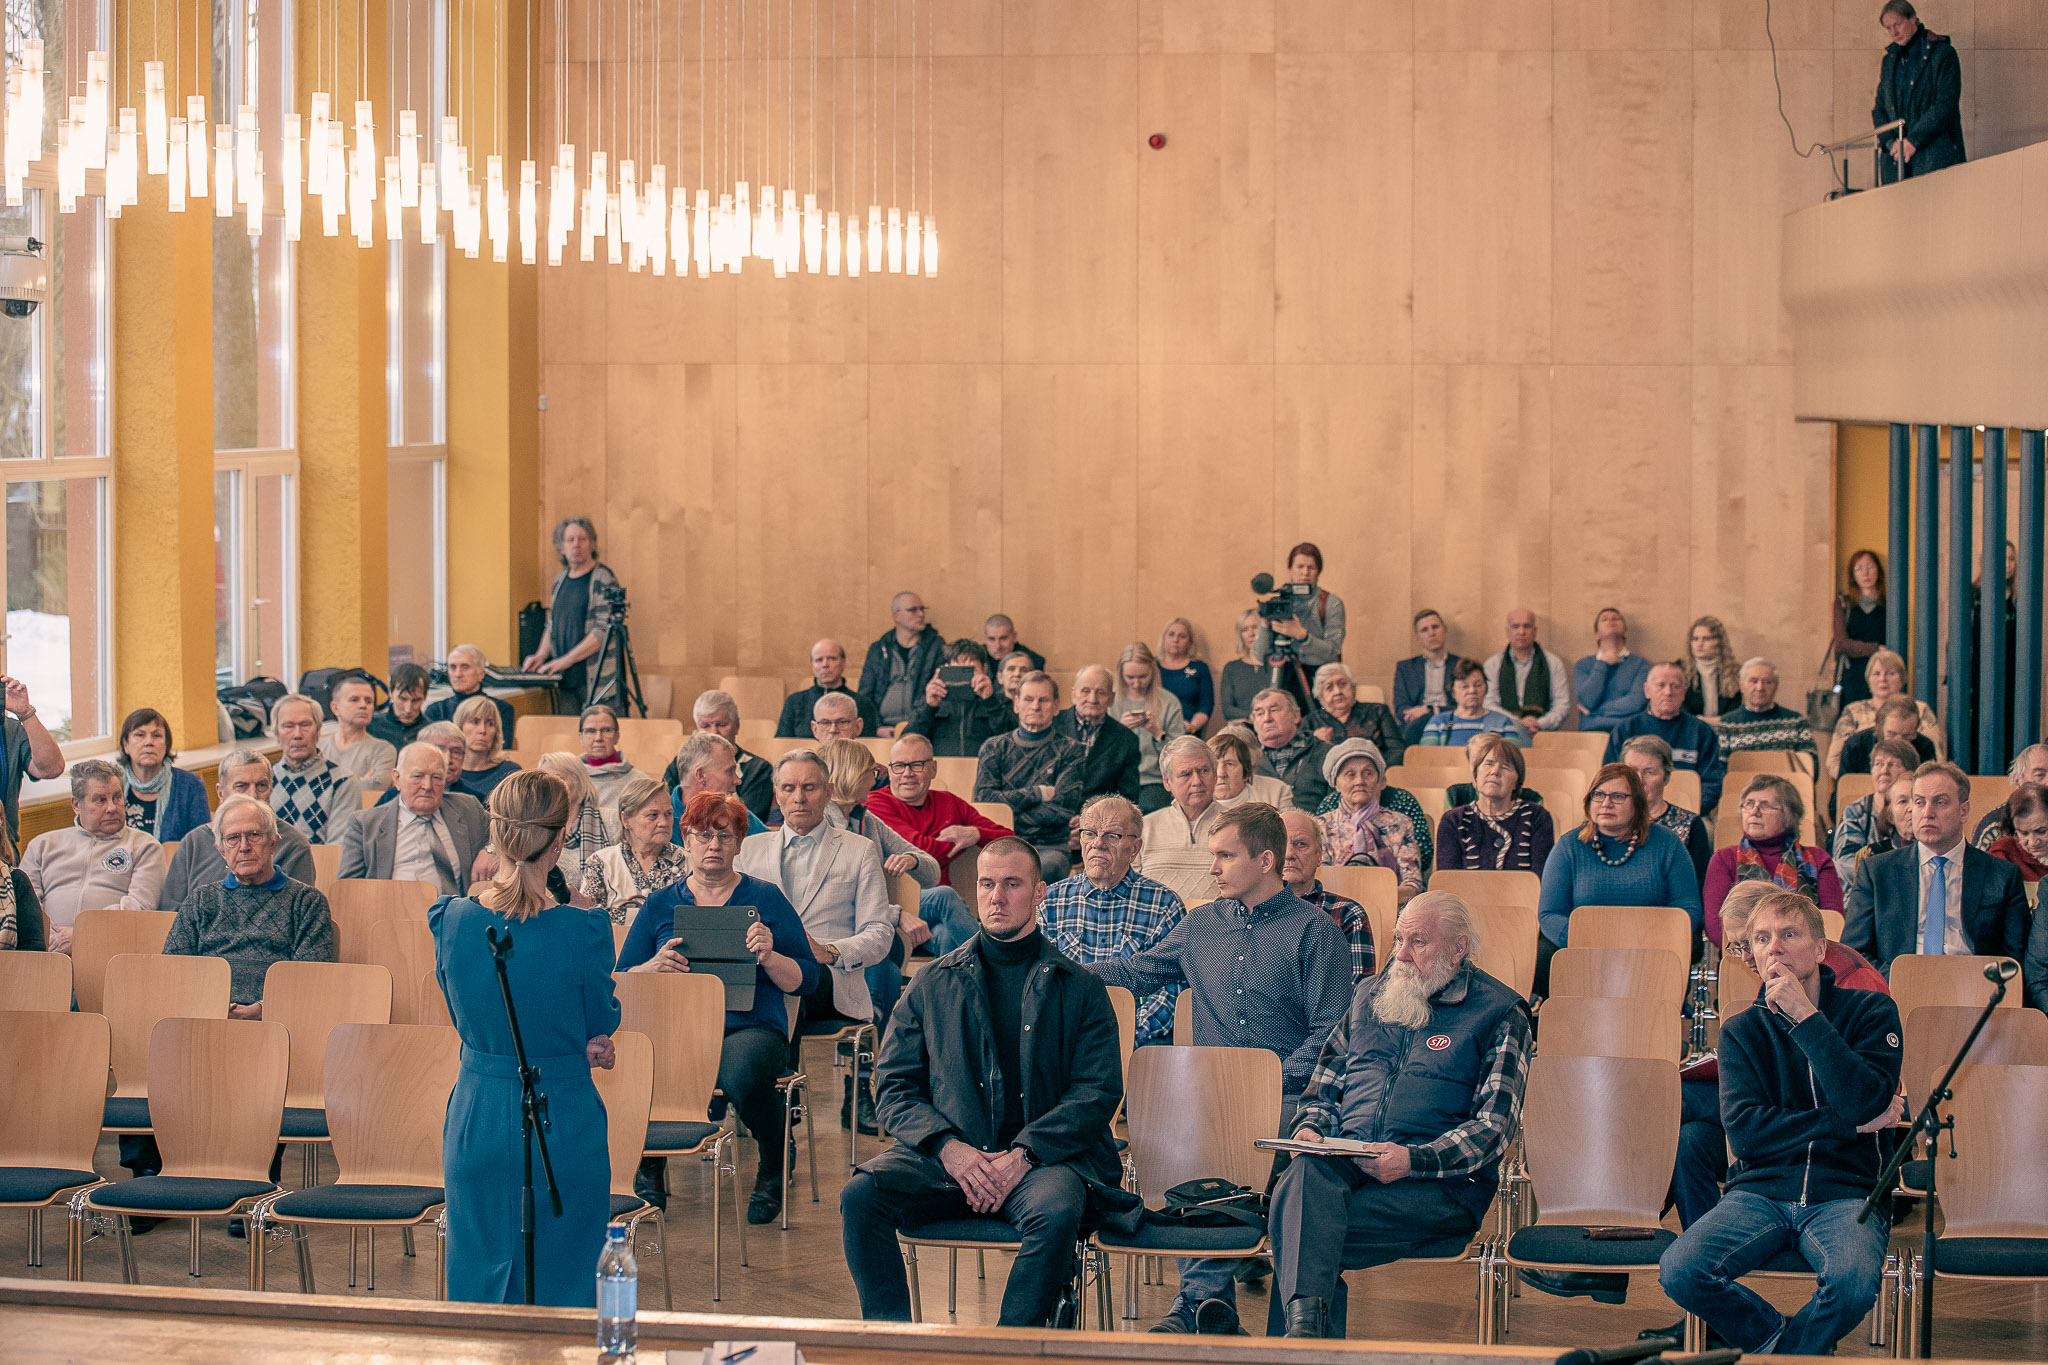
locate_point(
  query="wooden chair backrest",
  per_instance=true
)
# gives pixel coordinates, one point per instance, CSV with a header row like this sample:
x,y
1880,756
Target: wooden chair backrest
x,y
1632,926
144,988
358,904
658,690
1434,802
387,1100
1195,1111
1851,788
1994,1187
1125,1006
310,999
619,932
216,1094
1435,756
35,981
99,936
1988,791
904,892
1918,980
961,873
683,1015
957,775
1183,1024
53,1071
1832,923
1738,986
663,736
1562,789
2015,1037
1601,1134
433,1003
998,811
326,867
1507,941
1370,886
628,1094
756,694
1492,888
1382,918
1769,761
1609,1026
1573,741
1634,973
1372,692
404,948
533,734
754,728
1681,789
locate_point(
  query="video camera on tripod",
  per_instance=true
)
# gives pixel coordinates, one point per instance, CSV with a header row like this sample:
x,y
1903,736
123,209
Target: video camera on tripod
x,y
1282,602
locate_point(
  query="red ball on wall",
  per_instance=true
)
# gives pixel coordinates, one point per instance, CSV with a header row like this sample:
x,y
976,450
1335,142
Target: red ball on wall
x,y
1156,141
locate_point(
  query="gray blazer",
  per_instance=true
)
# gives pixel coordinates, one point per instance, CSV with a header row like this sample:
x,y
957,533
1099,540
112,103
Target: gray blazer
x,y
845,904
198,862
370,847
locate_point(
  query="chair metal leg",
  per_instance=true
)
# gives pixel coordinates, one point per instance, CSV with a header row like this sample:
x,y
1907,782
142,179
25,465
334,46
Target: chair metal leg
x,y
916,1294
74,1236
405,1233
441,1253
370,1266
1130,1308
952,1281
192,1237
668,1300
810,1136
352,1258
718,1221
1693,1335
129,1273
309,1166
1102,1288
306,1260
256,1232
981,1265
1887,1289
853,1128
1485,1294
739,1208
788,1175
35,1237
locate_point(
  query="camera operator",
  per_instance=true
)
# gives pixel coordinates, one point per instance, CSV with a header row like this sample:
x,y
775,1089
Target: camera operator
x,y
580,606
1302,628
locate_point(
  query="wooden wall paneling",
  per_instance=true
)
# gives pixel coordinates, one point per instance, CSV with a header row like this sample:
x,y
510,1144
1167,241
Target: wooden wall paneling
x,y
1342,442
1856,28
1622,207
699,525
641,442
1344,174
1623,25
1482,143
957,316
2010,96
1207,477
1070,207
1206,218
2009,24
964,28
1205,25
1343,25
1479,25
1738,25
935,493
1045,27
1070,456
573,466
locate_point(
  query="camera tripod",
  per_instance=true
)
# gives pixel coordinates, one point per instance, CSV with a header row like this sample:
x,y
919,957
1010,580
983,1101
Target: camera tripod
x,y
622,690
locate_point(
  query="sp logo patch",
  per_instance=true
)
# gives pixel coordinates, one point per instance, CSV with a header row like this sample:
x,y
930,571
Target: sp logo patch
x,y
116,860
1437,1043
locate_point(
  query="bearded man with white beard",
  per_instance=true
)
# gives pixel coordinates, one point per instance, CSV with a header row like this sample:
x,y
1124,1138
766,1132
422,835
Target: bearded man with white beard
x,y
1427,1069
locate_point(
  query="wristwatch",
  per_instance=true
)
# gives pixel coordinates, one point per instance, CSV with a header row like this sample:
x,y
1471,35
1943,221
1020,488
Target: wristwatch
x,y
1030,1157
832,952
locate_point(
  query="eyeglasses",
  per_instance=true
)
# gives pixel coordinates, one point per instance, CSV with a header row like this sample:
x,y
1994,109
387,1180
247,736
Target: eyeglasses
x,y
248,837
906,769
1108,838
1608,798
714,836
1762,808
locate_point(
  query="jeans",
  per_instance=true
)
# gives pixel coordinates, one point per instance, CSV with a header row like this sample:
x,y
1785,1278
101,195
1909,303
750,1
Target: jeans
x,y
952,922
1215,1277
1045,1208
1699,1270
1702,1152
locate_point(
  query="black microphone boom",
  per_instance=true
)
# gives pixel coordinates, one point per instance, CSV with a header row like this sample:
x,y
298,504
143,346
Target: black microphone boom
x,y
1641,1349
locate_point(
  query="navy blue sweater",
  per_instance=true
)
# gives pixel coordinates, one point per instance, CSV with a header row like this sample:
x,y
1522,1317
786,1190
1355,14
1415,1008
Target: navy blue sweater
x,y
1693,744
1793,1096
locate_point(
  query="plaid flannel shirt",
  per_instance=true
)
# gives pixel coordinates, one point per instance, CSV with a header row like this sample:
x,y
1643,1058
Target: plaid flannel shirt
x,y
1352,919
1478,1142
1091,925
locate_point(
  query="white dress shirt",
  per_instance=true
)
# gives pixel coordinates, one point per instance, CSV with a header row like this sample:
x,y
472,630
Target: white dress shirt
x,y
799,855
1953,944
413,859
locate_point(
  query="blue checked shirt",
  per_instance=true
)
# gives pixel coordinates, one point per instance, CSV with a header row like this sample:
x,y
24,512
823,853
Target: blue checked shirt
x,y
1091,925
1350,916
1275,975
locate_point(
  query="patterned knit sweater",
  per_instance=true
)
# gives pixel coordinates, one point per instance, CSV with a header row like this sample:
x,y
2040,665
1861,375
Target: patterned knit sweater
x,y
1778,728
253,926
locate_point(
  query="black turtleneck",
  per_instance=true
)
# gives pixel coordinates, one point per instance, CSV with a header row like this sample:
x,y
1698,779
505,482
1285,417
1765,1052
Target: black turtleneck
x,y
1005,968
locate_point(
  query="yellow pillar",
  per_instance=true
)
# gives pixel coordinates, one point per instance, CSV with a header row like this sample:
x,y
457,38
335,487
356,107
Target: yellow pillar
x,y
343,400
494,389
162,349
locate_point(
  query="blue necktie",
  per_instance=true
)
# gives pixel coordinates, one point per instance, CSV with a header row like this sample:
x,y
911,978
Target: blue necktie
x,y
1935,934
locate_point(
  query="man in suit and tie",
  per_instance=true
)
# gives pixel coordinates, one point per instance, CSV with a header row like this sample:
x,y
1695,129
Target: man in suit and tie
x,y
1938,895
1422,685
834,878
428,834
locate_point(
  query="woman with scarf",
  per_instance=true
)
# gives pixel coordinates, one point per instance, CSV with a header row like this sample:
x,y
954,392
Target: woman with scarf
x,y
21,918
163,801
606,767
1769,850
1358,830
1497,830
2023,836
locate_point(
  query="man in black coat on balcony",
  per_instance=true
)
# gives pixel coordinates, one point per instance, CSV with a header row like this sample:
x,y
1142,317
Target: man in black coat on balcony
x,y
1922,83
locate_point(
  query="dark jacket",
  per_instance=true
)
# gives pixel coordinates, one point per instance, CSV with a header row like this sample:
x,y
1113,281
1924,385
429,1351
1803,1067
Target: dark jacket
x,y
796,712
925,657
1409,678
1921,83
1792,1096
1694,746
444,709
1883,911
395,732
1856,749
959,731
30,935
938,1076
1037,659
1112,766
1369,720
1304,773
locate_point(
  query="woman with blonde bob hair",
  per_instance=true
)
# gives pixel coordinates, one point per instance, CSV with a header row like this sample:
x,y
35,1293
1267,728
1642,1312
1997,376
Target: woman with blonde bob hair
x,y
557,962
484,764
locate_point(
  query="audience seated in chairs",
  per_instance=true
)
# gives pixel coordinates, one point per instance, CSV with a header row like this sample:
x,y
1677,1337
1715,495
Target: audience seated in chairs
x,y
1692,741
2023,836
1617,857
1469,716
608,769
1287,751
398,721
1176,837
1896,720
1886,674
828,677
1760,724
1864,821
1151,714
1340,715
2029,765
1267,970
956,721
936,822
709,762
98,862
27,749
757,1039
1304,861
308,793
590,828
1422,683
428,834
446,736
1026,1158
1010,674
900,662
466,665
753,782
1651,758
1238,779
1607,685
1428,1065
1110,751
999,634
618,877
836,716
1809,1077
1037,772
162,800
484,764
351,747
1110,910
1770,851
242,772
1498,830
1526,680
1358,830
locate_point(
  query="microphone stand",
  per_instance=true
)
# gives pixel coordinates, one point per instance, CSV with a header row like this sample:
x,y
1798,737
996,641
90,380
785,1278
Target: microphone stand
x,y
1930,1122
533,1110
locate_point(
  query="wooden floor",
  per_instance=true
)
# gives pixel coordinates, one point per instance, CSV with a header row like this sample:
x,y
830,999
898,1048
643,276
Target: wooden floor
x,y
802,1273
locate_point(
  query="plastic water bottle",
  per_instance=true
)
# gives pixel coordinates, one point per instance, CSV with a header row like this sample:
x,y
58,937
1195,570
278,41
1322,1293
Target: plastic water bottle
x,y
618,1296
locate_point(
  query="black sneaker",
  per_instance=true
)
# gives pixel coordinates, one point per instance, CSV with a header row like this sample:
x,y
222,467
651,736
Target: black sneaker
x,y
1218,1318
1180,1321
765,1205
1568,1284
138,1226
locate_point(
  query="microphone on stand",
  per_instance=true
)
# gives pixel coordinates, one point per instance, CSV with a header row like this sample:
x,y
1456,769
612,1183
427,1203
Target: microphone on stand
x,y
2001,971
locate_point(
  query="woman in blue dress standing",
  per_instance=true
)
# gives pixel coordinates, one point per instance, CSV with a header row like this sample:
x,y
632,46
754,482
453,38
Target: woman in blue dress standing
x,y
560,971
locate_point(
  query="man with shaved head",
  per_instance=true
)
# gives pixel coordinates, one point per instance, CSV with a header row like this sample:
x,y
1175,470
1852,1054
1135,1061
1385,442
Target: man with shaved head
x,y
828,676
999,633
900,663
1110,750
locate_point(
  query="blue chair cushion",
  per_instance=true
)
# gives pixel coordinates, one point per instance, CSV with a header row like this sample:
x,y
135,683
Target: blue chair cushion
x,y
178,1194
303,1123
1567,1244
678,1137
624,1205
38,1184
1913,1175
1153,1235
2019,1256
966,1230
126,1111
362,1203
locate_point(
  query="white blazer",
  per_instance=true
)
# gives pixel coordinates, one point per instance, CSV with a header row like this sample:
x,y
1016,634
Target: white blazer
x,y
846,904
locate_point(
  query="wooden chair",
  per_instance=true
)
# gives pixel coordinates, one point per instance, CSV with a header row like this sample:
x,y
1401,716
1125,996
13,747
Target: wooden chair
x,y
387,1088
311,999
367,799
658,691
1988,791
1372,692
327,866
1382,919
956,775
216,1089
1435,757
1507,941
99,936
1600,1135
1767,761
1635,973
757,694
1610,1026
536,734
754,728
358,904
1934,1033
1491,888
1433,800
1632,926
1563,791
1738,987
404,948
142,990
53,1069
433,1002
651,735
683,1016
1682,789
628,1094
1853,787
998,811
1592,742
1918,980
1194,1112
35,981
1184,1019
1372,887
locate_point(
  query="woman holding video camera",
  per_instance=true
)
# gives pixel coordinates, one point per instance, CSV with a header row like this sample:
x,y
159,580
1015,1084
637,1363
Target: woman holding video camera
x,y
1315,635
580,607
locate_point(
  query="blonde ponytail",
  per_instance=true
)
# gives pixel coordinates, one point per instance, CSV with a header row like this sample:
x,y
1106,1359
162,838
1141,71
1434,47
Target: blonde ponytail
x,y
529,810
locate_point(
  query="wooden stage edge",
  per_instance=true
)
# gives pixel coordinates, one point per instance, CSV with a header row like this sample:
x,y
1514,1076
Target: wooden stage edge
x,y
41,1320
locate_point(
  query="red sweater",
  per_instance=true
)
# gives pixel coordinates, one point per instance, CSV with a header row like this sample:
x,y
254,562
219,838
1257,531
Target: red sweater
x,y
921,824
